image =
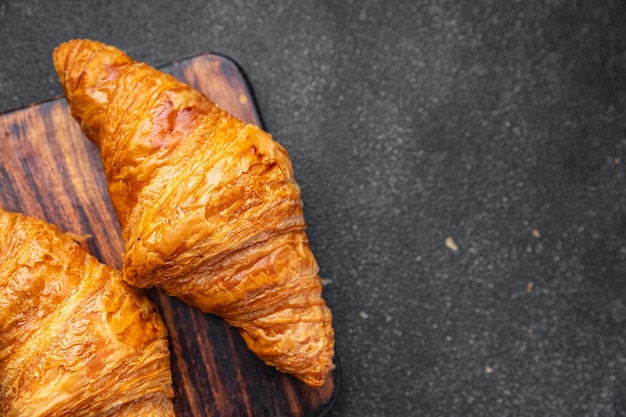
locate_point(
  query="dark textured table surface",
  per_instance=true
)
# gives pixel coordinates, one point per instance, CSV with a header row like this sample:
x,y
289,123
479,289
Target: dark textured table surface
x,y
463,169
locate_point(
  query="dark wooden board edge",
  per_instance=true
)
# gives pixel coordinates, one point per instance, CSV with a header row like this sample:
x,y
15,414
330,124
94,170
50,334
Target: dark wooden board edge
x,y
49,170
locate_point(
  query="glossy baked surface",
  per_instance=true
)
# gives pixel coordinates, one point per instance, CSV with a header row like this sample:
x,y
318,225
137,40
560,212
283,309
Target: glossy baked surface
x,y
50,171
209,209
75,339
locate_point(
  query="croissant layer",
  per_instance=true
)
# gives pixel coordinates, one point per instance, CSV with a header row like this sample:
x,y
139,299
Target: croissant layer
x,y
208,205
75,339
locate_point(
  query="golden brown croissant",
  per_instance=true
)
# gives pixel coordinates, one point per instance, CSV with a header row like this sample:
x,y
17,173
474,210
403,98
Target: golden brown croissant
x,y
75,339
208,205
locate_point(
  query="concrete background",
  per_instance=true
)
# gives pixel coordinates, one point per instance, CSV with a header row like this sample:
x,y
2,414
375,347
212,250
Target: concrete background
x,y
499,125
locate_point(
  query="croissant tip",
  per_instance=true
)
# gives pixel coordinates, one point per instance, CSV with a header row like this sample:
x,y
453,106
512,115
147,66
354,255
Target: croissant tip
x,y
317,378
65,51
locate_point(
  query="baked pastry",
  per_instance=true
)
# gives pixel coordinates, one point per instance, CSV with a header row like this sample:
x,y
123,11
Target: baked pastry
x,y
75,339
208,205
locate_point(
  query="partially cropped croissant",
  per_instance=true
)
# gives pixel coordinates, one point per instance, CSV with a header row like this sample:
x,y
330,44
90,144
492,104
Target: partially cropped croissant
x,y
75,339
208,205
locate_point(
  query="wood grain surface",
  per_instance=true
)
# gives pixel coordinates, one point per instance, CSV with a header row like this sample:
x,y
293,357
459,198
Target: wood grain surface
x,y
49,170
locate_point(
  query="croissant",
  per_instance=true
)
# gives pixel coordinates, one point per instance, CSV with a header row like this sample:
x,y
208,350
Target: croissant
x,y
75,339
208,205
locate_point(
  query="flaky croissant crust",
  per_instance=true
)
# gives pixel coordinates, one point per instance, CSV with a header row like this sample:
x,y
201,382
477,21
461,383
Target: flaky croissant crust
x,y
208,205
74,338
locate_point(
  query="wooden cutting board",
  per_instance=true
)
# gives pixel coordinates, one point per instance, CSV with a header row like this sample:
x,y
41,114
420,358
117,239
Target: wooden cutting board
x,y
49,170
